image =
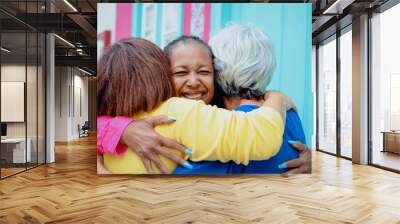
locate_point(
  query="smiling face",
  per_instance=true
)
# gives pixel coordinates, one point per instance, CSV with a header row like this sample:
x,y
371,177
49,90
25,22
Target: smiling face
x,y
192,71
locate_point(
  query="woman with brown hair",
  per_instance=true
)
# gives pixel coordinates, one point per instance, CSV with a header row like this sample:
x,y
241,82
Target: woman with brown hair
x,y
134,80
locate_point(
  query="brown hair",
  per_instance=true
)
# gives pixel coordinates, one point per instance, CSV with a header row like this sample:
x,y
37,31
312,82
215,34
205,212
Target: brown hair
x,y
133,76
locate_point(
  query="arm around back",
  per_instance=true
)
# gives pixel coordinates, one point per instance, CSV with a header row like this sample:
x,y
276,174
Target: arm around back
x,y
218,134
211,133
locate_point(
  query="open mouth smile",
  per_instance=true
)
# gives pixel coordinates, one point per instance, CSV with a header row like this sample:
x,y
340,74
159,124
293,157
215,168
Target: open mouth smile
x,y
194,96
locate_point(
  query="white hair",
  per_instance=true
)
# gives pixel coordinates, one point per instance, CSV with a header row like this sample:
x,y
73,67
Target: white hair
x,y
244,59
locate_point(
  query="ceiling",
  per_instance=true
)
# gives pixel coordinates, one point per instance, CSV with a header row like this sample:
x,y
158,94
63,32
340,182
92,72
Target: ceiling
x,y
77,24
332,15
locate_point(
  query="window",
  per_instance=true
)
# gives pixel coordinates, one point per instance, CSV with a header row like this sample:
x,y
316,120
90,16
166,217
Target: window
x,y
385,89
327,96
346,94
22,65
394,102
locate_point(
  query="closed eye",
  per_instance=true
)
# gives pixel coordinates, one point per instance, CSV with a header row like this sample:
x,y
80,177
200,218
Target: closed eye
x,y
204,72
179,73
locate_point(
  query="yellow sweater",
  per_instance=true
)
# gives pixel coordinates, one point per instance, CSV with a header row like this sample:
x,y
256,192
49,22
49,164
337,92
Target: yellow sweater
x,y
211,133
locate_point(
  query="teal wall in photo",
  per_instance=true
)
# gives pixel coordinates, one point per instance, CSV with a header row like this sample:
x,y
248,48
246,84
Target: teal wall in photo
x,y
137,20
159,16
289,29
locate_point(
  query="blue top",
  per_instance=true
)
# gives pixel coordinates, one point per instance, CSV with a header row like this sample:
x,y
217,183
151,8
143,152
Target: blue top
x,y
293,131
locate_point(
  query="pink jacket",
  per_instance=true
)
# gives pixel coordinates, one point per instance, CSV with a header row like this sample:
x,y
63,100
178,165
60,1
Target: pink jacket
x,y
109,133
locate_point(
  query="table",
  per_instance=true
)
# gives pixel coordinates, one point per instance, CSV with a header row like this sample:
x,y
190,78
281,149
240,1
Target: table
x,y
16,147
391,141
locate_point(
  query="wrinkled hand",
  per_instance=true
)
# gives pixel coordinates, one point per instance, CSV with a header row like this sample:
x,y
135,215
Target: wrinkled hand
x,y
141,137
301,164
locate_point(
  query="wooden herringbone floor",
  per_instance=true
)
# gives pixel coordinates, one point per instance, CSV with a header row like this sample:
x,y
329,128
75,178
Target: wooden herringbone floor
x,y
70,191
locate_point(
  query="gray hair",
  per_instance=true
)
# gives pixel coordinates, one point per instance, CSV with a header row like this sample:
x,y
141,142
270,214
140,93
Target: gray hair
x,y
244,60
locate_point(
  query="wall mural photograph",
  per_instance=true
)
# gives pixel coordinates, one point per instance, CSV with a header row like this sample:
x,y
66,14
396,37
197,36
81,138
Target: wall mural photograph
x,y
204,88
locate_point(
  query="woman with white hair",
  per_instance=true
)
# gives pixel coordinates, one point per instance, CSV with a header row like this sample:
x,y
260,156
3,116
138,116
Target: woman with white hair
x,y
245,62
244,59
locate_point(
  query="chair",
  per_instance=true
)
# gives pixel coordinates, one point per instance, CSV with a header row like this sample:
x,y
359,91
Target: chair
x,y
84,130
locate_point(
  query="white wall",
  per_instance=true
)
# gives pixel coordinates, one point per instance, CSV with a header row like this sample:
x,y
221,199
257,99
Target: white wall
x,y
61,103
70,83
79,117
12,73
12,101
33,127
